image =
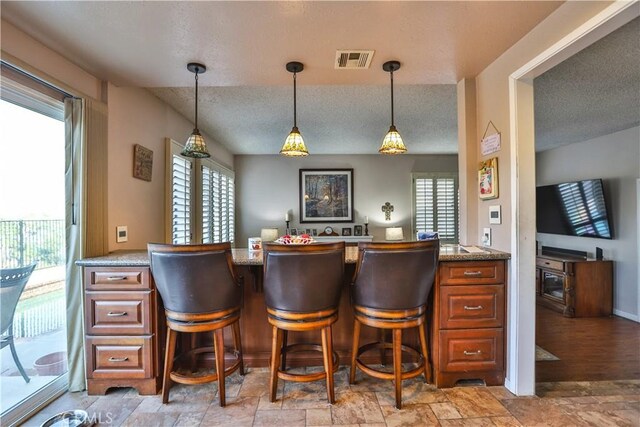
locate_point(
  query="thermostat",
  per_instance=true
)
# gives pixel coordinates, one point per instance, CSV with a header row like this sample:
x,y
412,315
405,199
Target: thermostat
x,y
495,216
121,234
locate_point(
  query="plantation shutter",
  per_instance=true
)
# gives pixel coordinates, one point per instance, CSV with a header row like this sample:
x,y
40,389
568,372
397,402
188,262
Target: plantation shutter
x,y
179,197
436,203
218,203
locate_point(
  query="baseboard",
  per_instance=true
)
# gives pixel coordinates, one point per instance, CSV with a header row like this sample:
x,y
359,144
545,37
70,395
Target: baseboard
x,y
626,315
509,385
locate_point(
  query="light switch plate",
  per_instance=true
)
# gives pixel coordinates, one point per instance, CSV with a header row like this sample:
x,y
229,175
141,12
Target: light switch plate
x,y
495,214
486,236
122,234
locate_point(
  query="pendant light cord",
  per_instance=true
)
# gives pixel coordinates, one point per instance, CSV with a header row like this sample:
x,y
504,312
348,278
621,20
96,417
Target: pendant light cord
x,y
392,124
196,98
295,121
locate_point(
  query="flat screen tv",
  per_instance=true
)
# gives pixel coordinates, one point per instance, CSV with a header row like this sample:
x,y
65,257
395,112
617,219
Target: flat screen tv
x,y
574,209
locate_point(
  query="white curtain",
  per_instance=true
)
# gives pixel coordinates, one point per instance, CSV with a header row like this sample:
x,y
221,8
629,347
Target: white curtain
x,y
86,214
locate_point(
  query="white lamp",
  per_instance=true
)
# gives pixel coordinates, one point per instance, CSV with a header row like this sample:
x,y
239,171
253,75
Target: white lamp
x,y
393,233
269,234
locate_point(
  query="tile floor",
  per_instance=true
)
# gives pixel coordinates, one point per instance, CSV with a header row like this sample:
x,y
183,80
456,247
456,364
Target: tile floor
x,y
367,403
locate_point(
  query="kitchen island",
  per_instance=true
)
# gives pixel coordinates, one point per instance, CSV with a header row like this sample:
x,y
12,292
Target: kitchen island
x,y
125,332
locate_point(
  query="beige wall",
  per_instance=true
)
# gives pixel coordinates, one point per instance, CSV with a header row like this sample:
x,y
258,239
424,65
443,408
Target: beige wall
x,y
492,91
23,47
135,117
268,186
138,117
614,158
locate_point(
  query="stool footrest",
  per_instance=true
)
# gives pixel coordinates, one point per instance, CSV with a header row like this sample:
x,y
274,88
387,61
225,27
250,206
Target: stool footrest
x,y
412,373
292,348
201,379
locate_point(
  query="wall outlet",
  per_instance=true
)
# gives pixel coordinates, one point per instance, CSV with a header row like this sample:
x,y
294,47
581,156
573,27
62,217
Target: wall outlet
x,y
122,234
486,236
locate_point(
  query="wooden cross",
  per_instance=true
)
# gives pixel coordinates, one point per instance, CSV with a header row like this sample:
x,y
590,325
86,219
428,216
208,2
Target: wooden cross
x,y
387,208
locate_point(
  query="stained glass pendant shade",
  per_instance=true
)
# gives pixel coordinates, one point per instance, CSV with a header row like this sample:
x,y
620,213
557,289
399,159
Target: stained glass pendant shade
x,y
195,146
392,142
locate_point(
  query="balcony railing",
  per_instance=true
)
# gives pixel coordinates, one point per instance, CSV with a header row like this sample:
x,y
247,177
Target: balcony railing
x,y
25,241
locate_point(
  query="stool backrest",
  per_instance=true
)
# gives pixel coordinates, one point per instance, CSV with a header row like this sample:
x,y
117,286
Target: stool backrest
x,y
395,276
12,283
303,278
195,278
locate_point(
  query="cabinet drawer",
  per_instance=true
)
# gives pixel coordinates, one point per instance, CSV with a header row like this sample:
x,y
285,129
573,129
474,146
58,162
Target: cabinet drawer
x,y
550,263
473,272
471,350
119,357
118,313
479,306
120,278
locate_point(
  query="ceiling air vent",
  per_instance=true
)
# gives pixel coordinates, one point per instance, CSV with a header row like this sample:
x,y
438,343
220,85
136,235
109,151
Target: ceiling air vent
x,y
353,59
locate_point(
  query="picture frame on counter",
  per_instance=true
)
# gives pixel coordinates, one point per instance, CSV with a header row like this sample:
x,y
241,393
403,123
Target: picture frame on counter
x,y
346,231
326,195
357,230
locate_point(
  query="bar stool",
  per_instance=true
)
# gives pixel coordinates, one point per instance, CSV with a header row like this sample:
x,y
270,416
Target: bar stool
x,y
390,288
201,292
302,286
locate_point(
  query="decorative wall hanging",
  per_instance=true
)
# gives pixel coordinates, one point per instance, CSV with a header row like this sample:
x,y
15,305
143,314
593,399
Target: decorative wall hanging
x,y
387,208
326,195
490,144
142,162
488,179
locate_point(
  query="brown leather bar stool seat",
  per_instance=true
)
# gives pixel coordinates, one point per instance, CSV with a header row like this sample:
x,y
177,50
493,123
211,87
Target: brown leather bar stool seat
x,y
390,288
201,292
302,286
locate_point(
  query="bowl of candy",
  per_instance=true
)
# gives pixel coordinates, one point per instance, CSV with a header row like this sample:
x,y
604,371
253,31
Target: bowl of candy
x,y
303,239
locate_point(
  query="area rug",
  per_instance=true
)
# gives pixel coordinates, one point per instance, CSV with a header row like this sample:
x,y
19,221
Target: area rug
x,y
543,355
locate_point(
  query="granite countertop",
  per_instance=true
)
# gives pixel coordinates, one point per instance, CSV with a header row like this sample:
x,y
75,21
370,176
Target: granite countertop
x,y
243,256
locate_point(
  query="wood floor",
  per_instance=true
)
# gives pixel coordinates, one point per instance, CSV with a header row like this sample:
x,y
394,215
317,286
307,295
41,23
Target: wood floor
x,y
590,349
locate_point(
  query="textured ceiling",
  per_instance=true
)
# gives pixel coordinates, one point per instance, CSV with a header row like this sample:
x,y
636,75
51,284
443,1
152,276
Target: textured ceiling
x,y
246,101
594,93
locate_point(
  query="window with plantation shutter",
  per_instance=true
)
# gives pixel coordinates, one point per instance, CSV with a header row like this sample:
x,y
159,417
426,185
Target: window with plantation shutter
x,y
180,203
218,204
435,205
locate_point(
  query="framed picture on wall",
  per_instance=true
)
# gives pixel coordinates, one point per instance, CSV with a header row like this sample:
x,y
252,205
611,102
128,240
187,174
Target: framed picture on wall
x,y
326,195
142,162
488,179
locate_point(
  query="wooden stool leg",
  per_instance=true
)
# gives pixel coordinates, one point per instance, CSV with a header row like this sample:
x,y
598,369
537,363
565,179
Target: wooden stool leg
x,y
354,351
237,343
168,363
397,365
327,357
194,356
276,347
285,336
218,344
382,337
425,353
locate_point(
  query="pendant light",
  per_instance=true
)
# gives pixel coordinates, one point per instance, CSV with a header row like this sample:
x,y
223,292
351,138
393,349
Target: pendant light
x,y
195,146
294,144
392,142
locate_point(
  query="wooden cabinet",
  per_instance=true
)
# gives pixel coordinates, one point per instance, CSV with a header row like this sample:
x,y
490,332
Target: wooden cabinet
x,y
468,325
121,343
575,287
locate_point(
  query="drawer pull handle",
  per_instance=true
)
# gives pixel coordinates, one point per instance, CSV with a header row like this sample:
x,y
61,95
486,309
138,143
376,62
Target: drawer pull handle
x,y
118,359
472,353
473,273
120,313
477,307
115,278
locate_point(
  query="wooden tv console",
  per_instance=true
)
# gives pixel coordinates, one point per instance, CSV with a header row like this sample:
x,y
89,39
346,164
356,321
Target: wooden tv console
x,y
574,286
